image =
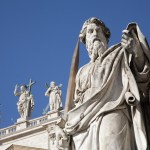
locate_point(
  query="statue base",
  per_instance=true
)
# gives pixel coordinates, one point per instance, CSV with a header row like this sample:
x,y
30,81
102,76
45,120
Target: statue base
x,y
19,120
53,114
22,123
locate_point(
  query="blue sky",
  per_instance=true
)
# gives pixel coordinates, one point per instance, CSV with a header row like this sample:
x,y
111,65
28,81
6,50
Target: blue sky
x,y
37,39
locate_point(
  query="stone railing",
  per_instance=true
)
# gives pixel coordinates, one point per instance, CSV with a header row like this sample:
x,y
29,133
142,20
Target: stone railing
x,y
8,130
30,123
37,121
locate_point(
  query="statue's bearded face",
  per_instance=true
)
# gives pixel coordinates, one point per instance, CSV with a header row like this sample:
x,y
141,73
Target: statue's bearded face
x,y
96,42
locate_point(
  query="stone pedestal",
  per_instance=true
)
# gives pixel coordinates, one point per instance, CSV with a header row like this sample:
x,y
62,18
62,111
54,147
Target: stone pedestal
x,y
53,114
21,124
22,119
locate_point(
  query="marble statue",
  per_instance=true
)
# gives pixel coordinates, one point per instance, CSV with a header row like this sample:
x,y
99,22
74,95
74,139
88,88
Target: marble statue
x,y
26,102
54,93
111,93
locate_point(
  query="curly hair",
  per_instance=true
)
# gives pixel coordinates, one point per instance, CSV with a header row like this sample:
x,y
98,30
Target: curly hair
x,y
106,31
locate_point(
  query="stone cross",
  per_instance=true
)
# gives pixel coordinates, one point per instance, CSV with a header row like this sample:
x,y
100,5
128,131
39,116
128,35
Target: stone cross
x,y
30,85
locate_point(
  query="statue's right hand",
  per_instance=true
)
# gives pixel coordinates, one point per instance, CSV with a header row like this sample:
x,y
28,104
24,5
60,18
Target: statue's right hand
x,y
62,140
16,87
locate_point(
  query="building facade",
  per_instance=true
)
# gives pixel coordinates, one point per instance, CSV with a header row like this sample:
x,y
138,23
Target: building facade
x,y
34,134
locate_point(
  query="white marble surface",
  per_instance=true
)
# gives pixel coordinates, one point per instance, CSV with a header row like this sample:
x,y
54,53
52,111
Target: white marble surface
x,y
107,92
25,103
55,96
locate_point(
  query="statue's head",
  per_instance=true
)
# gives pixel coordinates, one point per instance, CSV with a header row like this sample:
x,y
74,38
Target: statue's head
x,y
52,84
22,88
97,22
95,35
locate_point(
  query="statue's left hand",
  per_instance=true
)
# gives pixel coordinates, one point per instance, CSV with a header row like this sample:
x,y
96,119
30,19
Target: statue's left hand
x,y
131,43
62,140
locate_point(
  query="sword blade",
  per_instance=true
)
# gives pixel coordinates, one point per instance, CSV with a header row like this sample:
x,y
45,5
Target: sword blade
x,y
71,81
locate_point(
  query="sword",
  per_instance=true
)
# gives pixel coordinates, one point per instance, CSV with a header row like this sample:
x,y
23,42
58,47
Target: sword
x,y
71,81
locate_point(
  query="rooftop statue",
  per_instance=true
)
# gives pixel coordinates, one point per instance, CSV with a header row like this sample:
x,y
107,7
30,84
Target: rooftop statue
x,y
111,92
26,102
54,93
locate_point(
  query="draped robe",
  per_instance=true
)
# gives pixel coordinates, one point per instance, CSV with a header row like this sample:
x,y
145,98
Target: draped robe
x,y
103,118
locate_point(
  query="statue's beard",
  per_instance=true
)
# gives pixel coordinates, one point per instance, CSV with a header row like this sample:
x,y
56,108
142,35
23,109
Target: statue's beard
x,y
95,49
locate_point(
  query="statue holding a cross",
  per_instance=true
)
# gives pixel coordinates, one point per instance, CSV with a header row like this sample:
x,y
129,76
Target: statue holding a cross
x,y
26,102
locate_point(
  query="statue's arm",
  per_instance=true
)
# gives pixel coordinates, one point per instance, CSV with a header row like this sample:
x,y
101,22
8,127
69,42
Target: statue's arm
x,y
16,93
132,45
139,59
142,76
59,92
62,137
140,65
32,101
47,93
